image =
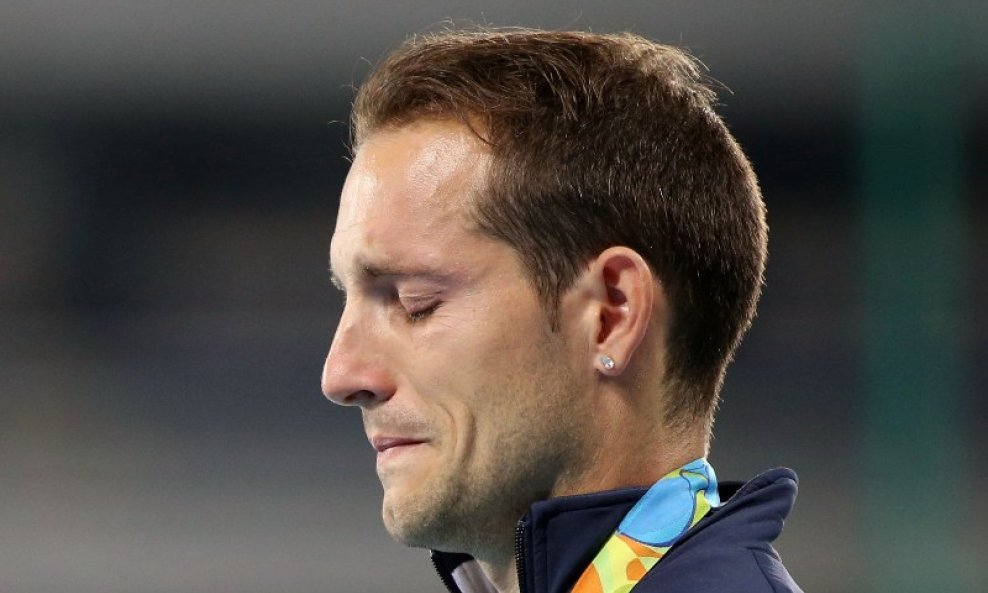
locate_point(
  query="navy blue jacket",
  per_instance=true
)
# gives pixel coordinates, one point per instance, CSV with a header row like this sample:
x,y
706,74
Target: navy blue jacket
x,y
728,551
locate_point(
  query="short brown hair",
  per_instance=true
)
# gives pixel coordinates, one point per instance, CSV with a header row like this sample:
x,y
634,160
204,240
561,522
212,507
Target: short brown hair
x,y
599,140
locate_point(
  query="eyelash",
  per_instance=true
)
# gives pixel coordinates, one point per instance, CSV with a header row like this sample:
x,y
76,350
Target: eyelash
x,y
419,315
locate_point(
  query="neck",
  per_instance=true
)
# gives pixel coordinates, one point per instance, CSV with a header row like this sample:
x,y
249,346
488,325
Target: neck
x,y
503,574
501,570
636,453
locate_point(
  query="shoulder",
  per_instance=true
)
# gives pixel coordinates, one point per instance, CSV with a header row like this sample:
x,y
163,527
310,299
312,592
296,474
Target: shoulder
x,y
724,570
731,549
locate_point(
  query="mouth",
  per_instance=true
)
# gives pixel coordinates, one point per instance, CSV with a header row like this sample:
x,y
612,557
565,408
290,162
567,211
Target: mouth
x,y
388,446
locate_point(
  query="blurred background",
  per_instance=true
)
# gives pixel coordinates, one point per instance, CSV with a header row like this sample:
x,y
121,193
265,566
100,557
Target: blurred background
x,y
169,173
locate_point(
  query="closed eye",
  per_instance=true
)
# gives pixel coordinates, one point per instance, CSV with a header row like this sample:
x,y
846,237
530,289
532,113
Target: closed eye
x,y
414,315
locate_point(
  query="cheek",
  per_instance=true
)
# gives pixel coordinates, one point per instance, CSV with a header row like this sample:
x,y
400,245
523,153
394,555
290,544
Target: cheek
x,y
468,380
469,345
473,363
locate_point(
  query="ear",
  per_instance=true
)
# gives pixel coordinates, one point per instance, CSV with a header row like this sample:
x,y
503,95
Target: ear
x,y
624,292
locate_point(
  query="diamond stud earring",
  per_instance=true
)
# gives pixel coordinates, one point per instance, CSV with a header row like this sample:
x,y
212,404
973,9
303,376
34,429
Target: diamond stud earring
x,y
608,362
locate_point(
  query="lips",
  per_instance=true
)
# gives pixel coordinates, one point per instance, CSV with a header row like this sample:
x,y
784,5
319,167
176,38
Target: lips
x,y
387,443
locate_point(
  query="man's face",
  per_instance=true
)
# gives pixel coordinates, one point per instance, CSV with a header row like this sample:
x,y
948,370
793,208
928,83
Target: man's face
x,y
472,403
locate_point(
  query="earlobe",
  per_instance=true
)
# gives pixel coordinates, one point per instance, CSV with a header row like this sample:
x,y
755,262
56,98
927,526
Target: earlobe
x,y
625,291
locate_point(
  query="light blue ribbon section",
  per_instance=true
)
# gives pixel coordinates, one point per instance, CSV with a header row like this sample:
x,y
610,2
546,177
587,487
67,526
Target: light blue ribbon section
x,y
666,511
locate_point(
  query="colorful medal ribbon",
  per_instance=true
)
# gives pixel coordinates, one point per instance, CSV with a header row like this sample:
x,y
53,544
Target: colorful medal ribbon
x,y
668,510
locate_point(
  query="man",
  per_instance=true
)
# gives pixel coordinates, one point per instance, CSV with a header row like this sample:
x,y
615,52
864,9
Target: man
x,y
550,247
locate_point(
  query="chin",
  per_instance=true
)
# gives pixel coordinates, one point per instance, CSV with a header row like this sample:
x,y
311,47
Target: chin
x,y
423,518
407,516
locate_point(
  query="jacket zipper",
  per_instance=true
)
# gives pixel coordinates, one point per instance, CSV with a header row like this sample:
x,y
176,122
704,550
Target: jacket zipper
x,y
520,532
445,577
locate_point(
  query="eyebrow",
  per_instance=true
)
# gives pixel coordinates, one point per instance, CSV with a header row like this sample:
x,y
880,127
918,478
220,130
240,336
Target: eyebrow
x,y
368,271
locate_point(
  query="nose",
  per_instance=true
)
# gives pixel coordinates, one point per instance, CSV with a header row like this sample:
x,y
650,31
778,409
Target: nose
x,y
354,373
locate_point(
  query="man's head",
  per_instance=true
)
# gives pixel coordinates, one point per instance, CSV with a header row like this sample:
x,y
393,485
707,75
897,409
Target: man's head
x,y
599,140
520,205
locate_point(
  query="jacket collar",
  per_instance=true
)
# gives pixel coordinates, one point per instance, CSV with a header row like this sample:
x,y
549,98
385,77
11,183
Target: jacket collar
x,y
559,537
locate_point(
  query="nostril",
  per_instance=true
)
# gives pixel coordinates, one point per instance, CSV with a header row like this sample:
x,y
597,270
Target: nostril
x,y
360,398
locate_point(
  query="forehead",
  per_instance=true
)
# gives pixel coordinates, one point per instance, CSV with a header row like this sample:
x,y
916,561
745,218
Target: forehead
x,y
408,193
